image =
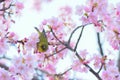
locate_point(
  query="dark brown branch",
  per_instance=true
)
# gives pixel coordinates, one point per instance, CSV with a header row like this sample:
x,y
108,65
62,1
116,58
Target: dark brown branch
x,y
66,71
2,1
56,52
63,43
73,33
4,66
61,74
56,37
99,44
74,50
79,38
75,30
100,68
90,69
50,74
6,8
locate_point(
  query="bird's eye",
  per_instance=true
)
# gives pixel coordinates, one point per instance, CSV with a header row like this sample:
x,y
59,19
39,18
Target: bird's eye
x,y
43,47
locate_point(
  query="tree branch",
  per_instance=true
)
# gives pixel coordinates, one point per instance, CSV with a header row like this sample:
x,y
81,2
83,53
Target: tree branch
x,y
99,44
2,1
90,69
56,52
73,33
63,43
74,50
6,8
55,75
4,66
100,68
79,38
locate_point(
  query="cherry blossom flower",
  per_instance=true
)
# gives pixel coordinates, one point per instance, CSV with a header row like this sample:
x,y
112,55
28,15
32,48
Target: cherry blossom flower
x,y
24,66
31,43
78,66
97,61
118,9
37,5
113,37
3,45
79,10
83,53
66,10
19,7
111,74
4,74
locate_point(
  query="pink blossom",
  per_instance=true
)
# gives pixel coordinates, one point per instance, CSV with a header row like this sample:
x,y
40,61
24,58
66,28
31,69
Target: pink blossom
x,y
24,66
19,5
50,68
113,37
66,10
31,60
111,73
48,0
106,75
79,10
78,66
4,74
97,61
32,41
118,9
3,45
55,23
83,53
37,5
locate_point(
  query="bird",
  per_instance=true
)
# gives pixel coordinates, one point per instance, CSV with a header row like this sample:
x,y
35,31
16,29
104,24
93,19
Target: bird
x,y
42,45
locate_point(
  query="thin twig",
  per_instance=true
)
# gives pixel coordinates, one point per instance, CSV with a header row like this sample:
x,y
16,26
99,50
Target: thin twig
x,y
76,53
92,71
63,43
100,68
75,30
79,38
73,33
5,8
57,37
56,52
99,44
66,71
50,74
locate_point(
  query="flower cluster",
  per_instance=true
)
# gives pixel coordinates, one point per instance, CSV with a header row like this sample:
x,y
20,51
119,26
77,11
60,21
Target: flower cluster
x,y
29,64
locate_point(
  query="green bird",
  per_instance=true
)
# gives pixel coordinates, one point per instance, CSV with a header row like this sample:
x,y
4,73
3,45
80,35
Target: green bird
x,y
42,45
